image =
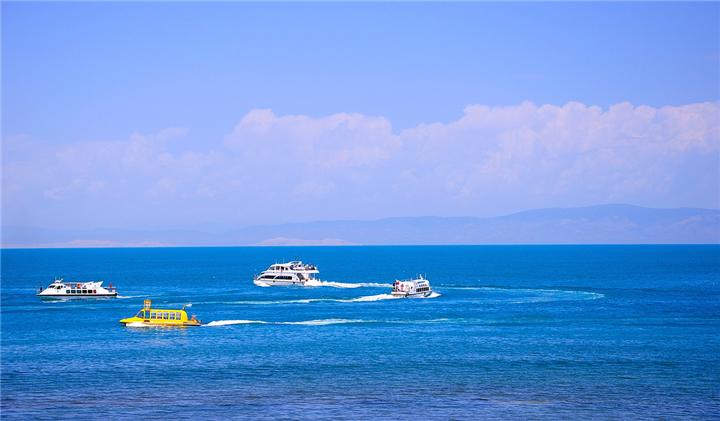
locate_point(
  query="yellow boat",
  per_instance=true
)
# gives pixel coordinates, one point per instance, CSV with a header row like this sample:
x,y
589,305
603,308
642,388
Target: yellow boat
x,y
149,316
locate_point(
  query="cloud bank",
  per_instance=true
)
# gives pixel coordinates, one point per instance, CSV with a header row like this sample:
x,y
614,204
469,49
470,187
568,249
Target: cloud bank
x,y
274,169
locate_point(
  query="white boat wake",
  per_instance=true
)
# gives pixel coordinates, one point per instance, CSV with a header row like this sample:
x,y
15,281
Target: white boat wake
x,y
234,322
318,283
367,298
323,322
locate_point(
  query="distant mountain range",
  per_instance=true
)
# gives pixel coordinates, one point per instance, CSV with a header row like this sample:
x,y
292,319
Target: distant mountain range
x,y
604,224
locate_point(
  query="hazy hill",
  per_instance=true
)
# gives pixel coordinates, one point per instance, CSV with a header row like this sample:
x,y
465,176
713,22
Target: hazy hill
x,y
605,224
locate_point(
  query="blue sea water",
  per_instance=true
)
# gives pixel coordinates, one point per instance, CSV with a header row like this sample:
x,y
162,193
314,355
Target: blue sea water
x,y
515,332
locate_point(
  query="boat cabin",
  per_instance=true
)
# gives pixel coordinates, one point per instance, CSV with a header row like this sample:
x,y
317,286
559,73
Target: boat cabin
x,y
149,316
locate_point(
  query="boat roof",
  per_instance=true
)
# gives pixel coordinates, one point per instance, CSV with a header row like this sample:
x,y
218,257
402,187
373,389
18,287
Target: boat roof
x,y
162,309
418,280
293,263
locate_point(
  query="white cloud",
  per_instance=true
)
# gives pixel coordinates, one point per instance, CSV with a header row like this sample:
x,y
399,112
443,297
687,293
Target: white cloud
x,y
328,143
493,160
531,154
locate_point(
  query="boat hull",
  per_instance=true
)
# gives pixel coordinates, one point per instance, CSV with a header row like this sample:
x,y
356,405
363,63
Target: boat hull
x,y
74,296
150,324
279,282
409,295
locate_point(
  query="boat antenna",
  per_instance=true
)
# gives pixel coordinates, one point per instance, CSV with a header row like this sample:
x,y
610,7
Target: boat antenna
x,y
187,305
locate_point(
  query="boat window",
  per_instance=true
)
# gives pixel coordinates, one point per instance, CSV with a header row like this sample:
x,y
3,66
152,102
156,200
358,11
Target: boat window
x,y
165,315
153,315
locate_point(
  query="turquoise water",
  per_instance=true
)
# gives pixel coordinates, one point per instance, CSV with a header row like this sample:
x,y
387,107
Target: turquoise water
x,y
515,332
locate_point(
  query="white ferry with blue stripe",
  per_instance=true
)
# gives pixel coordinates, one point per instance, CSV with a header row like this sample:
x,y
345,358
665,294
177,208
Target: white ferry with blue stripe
x,y
412,288
60,290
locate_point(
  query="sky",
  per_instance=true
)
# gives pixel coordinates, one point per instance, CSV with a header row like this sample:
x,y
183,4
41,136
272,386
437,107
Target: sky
x,y
228,114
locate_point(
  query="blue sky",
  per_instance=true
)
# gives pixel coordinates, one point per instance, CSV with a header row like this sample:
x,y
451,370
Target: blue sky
x,y
171,114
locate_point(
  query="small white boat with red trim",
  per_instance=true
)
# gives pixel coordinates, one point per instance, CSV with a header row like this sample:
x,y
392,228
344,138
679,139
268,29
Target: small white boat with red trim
x,y
292,273
60,289
412,288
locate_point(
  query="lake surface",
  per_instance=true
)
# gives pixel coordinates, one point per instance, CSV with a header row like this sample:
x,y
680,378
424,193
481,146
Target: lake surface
x,y
514,332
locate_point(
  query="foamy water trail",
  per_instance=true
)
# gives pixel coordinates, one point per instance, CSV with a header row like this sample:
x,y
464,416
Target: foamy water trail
x,y
383,297
368,298
552,294
136,324
346,284
234,322
322,322
326,322
547,294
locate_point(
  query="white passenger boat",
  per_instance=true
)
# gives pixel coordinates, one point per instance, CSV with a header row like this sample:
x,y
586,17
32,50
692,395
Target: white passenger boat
x,y
292,273
60,289
413,288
